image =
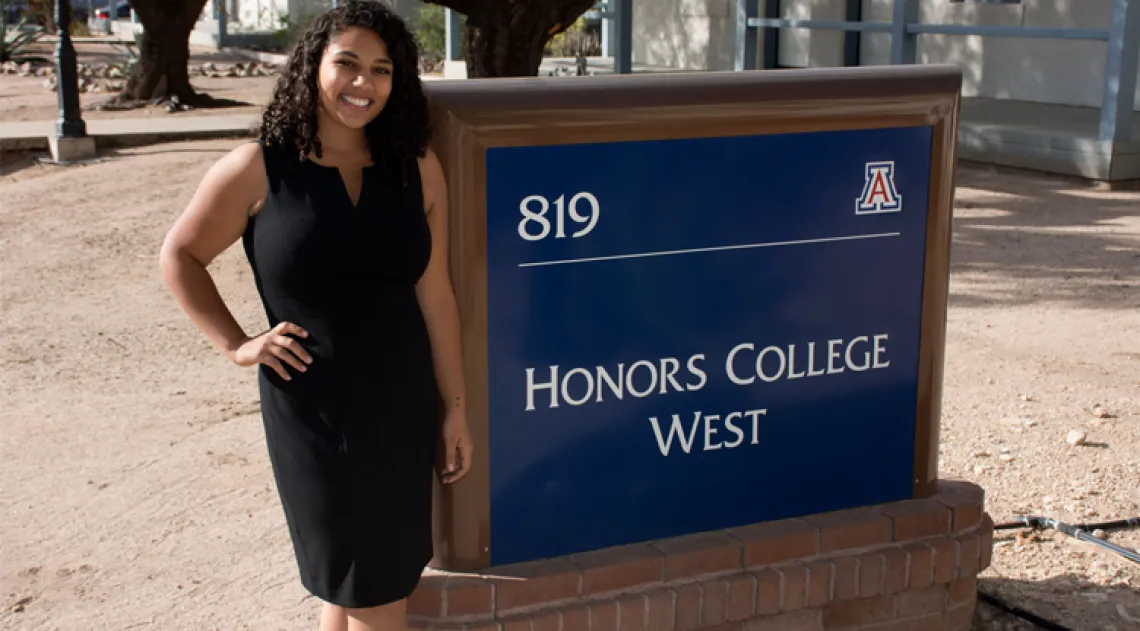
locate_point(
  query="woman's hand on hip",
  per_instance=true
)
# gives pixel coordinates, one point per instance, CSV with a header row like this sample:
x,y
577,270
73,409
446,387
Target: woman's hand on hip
x,y
274,348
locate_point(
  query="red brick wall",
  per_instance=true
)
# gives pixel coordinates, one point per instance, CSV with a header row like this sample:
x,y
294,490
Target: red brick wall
x,y
909,565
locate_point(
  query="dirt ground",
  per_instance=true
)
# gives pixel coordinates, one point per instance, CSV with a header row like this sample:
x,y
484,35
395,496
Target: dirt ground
x,y
1044,327
138,494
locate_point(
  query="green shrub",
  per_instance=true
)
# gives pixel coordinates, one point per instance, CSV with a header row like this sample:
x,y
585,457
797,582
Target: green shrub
x,y
14,48
430,28
578,39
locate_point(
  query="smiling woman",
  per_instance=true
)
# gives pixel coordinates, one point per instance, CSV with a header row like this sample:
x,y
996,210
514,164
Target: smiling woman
x,y
341,208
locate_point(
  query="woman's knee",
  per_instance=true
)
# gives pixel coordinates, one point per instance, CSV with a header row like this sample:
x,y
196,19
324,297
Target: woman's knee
x,y
387,615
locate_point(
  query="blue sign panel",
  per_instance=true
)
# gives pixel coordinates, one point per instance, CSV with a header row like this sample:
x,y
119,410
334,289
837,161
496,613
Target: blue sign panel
x,y
686,335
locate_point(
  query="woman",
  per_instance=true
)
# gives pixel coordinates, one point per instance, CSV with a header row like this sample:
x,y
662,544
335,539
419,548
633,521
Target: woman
x,y
342,212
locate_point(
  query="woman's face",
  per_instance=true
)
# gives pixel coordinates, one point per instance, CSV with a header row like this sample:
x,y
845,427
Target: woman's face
x,y
355,77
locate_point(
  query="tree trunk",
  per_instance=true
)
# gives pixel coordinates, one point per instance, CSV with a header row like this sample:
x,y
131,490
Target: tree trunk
x,y
505,38
44,10
505,50
161,72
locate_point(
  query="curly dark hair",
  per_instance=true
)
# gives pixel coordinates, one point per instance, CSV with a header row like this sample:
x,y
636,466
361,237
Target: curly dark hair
x,y
398,135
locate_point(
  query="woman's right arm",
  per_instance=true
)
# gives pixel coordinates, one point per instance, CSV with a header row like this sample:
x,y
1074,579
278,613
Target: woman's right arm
x,y
213,221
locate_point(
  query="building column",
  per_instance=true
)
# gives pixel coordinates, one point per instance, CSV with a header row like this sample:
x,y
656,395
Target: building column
x,y
454,35
1120,72
747,37
623,35
904,45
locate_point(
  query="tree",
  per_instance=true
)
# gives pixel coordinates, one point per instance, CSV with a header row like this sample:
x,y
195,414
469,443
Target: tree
x,y
162,70
505,38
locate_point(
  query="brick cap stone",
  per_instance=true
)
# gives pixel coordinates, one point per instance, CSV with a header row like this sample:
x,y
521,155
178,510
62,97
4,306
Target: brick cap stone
x,y
858,566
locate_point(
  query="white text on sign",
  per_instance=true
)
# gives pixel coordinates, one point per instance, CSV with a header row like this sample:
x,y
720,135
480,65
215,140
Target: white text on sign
x,y
556,386
710,425
537,220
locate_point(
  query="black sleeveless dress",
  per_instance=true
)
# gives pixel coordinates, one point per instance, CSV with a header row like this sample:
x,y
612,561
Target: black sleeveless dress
x,y
351,440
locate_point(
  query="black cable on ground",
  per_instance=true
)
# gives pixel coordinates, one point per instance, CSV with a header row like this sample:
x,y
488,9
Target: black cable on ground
x,y
1081,534
1030,521
1021,613
1079,531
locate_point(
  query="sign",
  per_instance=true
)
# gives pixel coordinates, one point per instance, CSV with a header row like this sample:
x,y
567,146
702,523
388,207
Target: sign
x,y
692,334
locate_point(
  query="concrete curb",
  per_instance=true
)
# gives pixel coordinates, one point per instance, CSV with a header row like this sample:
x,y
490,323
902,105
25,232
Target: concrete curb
x,y
131,132
257,55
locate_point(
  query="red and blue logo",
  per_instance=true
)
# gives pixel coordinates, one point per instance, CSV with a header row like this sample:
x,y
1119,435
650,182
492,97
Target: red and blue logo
x,y
879,192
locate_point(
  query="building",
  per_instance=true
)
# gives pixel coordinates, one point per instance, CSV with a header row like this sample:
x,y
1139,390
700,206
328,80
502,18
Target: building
x,y
701,35
1033,102
259,15
254,23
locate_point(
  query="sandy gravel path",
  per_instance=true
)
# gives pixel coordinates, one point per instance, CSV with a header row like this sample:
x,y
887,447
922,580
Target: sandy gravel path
x,y
137,493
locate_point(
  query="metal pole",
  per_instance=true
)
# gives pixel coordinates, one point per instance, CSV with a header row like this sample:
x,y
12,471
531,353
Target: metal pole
x,y
623,46
607,28
904,44
220,14
747,37
771,58
453,29
1120,72
70,124
852,40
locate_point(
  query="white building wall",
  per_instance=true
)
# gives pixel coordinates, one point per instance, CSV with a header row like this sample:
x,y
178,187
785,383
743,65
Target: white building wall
x,y
260,14
684,34
245,15
804,48
700,35
267,15
1043,70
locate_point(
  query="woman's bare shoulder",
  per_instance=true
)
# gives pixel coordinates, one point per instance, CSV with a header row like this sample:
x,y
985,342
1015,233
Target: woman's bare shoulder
x,y
232,190
239,175
245,162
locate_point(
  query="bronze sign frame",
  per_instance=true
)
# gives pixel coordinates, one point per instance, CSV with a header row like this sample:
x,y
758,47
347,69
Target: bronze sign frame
x,y
470,116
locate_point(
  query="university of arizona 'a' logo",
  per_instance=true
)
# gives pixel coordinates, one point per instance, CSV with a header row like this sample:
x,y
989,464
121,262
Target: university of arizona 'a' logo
x,y
879,192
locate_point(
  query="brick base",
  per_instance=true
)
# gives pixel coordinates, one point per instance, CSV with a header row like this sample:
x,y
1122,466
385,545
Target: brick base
x,y
907,566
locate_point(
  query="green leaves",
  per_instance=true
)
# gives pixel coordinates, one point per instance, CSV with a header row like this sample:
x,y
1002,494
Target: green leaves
x,y
16,42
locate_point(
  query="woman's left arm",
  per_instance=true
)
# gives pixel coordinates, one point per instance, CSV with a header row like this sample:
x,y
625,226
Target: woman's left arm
x,y
437,301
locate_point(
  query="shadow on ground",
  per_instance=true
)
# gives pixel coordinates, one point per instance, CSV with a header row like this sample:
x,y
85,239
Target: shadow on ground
x,y
28,163
12,162
1097,594
1066,600
1032,238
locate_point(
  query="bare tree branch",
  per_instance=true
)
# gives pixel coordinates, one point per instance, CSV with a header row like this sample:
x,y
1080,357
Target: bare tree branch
x,y
193,8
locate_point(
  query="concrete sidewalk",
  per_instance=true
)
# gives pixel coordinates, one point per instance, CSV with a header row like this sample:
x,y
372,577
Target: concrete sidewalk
x,y
122,132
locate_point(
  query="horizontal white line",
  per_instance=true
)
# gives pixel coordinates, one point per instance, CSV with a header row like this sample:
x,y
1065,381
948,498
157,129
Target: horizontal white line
x,y
720,248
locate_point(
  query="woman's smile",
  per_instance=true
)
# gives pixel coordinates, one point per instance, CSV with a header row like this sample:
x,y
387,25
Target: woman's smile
x,y
356,103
